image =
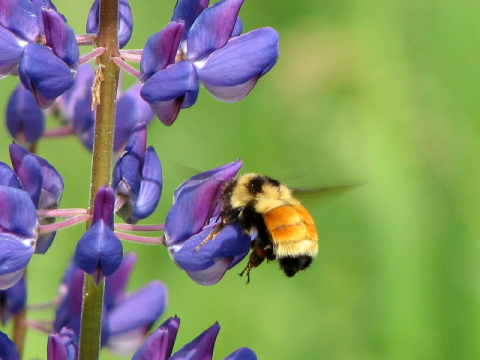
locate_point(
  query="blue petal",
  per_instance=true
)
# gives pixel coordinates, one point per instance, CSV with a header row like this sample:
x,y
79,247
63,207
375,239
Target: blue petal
x,y
242,354
17,213
200,348
24,118
12,300
211,275
188,11
213,28
69,310
150,187
243,58
228,243
29,171
125,21
11,49
8,177
60,37
21,17
164,91
8,350
99,248
44,74
194,202
160,49
15,255
103,206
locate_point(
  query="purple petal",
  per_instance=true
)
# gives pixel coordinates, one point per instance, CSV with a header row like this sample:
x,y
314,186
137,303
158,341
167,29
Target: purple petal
x,y
44,74
12,300
160,49
17,213
232,93
125,21
103,206
213,28
237,29
188,11
151,186
139,310
243,58
116,283
16,253
211,275
8,350
201,348
159,343
228,243
62,346
8,177
164,91
242,354
99,248
131,110
52,185
194,202
28,170
60,37
21,17
24,117
11,49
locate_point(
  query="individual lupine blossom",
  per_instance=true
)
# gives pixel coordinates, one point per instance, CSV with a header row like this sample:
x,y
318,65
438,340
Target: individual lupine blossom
x,y
12,300
191,219
137,178
99,252
159,345
125,23
43,183
8,350
34,184
127,317
62,345
75,106
25,120
38,45
204,44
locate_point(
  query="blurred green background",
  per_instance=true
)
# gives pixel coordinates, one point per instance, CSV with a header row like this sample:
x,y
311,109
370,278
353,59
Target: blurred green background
x,y
378,91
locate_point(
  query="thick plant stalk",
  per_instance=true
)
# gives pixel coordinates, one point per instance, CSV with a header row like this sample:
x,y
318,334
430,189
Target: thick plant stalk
x,y
104,94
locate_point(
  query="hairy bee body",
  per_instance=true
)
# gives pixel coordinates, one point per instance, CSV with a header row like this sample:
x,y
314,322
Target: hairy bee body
x,y
284,229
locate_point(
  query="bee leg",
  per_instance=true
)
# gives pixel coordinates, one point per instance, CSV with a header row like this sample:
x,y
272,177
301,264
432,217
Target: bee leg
x,y
247,269
254,260
215,231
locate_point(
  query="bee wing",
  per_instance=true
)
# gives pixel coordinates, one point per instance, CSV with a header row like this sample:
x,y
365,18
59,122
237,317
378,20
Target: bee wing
x,y
324,193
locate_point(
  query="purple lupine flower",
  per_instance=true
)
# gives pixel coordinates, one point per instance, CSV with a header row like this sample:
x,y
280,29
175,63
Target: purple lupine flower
x,y
159,345
192,218
99,251
62,345
125,24
127,317
12,300
39,46
42,182
25,120
137,178
208,47
8,349
75,105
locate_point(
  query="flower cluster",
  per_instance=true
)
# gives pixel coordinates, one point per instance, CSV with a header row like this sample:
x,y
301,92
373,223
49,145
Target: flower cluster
x,y
32,184
202,45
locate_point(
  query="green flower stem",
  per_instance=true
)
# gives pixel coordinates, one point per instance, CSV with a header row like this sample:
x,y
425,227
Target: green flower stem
x,y
104,91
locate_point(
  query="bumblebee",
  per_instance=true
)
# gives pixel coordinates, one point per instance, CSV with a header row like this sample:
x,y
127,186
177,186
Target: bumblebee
x,y
284,229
